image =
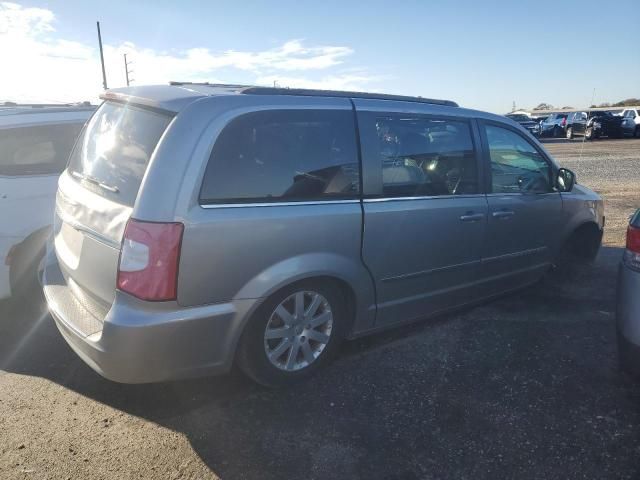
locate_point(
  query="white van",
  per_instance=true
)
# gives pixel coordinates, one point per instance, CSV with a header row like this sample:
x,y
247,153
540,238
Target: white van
x,y
35,142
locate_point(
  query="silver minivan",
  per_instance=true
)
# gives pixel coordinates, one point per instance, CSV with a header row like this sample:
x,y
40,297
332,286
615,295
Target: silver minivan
x,y
199,225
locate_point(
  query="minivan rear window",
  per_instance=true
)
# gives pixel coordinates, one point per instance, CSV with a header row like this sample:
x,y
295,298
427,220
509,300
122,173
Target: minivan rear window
x,y
284,155
112,154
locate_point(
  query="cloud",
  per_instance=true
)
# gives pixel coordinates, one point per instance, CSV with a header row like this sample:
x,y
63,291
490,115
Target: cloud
x,y
41,66
352,81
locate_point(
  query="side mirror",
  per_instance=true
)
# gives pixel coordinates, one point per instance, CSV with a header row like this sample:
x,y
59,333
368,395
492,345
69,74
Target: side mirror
x,y
565,180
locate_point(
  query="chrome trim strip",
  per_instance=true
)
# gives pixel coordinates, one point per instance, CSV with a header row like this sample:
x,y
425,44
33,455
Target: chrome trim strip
x,y
430,197
521,194
408,276
522,253
277,204
66,218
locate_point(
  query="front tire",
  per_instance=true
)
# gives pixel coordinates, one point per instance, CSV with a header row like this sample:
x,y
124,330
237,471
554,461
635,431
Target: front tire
x,y
293,334
588,134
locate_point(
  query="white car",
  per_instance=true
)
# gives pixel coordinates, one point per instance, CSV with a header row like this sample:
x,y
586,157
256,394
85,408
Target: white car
x,y
35,142
631,121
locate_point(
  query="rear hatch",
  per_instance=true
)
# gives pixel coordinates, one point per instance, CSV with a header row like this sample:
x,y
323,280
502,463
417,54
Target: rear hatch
x,y
96,196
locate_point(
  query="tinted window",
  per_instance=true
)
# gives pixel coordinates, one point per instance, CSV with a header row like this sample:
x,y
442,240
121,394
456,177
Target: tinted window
x,y
37,150
115,148
284,155
516,166
420,156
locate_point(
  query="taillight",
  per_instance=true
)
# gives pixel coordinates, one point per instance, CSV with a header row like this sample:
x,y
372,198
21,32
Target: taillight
x,y
149,260
632,253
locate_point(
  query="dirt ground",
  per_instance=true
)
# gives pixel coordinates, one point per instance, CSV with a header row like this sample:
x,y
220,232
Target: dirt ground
x,y
526,386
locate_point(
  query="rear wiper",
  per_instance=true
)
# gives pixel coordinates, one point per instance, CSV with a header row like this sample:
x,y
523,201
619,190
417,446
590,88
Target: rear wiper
x,y
95,181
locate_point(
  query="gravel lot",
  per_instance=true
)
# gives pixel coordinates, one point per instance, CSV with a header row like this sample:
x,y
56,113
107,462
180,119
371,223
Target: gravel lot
x,y
524,387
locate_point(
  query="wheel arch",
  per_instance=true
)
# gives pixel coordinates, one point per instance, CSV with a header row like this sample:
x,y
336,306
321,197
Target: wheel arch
x,y
23,254
583,240
348,274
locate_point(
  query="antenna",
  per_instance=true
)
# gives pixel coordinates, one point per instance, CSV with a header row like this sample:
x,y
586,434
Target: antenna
x,y
104,73
127,72
584,137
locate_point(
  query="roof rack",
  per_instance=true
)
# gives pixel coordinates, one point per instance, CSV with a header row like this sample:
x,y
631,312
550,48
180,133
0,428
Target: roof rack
x,y
253,90
339,93
207,84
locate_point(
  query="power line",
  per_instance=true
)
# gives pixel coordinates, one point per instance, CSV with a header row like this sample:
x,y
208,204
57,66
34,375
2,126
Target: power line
x,y
127,72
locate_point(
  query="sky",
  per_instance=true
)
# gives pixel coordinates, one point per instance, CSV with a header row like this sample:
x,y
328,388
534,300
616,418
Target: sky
x,y
481,54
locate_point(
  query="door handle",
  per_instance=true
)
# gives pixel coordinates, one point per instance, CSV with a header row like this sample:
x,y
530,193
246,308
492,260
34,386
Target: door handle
x,y
472,217
503,214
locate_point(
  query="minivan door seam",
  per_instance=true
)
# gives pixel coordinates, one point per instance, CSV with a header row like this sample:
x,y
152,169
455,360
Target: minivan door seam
x,y
362,212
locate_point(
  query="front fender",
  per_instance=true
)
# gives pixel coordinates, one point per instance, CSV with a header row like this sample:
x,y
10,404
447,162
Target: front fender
x,y
581,206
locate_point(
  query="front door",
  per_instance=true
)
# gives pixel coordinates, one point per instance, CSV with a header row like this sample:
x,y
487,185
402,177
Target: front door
x,y
424,213
525,210
579,122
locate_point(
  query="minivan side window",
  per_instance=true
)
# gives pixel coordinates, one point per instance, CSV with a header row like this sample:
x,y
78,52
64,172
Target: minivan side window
x,y
36,150
420,156
284,155
516,165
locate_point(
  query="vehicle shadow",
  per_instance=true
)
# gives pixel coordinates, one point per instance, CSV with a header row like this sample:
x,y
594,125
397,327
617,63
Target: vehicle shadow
x,y
559,140
478,383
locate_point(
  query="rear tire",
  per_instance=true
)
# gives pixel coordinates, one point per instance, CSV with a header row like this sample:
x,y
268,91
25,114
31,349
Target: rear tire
x,y
24,275
628,356
569,133
303,351
636,132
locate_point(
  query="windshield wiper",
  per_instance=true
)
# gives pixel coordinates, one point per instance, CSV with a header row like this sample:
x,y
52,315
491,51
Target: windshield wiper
x,y
95,181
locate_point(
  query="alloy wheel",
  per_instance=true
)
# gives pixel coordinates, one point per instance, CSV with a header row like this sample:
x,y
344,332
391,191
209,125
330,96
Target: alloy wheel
x,y
298,330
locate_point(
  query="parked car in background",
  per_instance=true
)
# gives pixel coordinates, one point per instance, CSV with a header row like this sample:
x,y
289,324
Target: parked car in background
x,y
576,124
603,124
35,142
631,121
197,227
526,122
628,304
554,125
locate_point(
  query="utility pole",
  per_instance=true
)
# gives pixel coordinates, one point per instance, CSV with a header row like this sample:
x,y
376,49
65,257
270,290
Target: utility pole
x,y
104,73
513,108
126,70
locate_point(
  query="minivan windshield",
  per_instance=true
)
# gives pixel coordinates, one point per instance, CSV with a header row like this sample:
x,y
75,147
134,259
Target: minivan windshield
x,y
112,154
519,118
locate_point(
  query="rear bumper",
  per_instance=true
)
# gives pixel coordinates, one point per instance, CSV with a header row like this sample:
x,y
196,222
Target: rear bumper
x,y
628,317
143,342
